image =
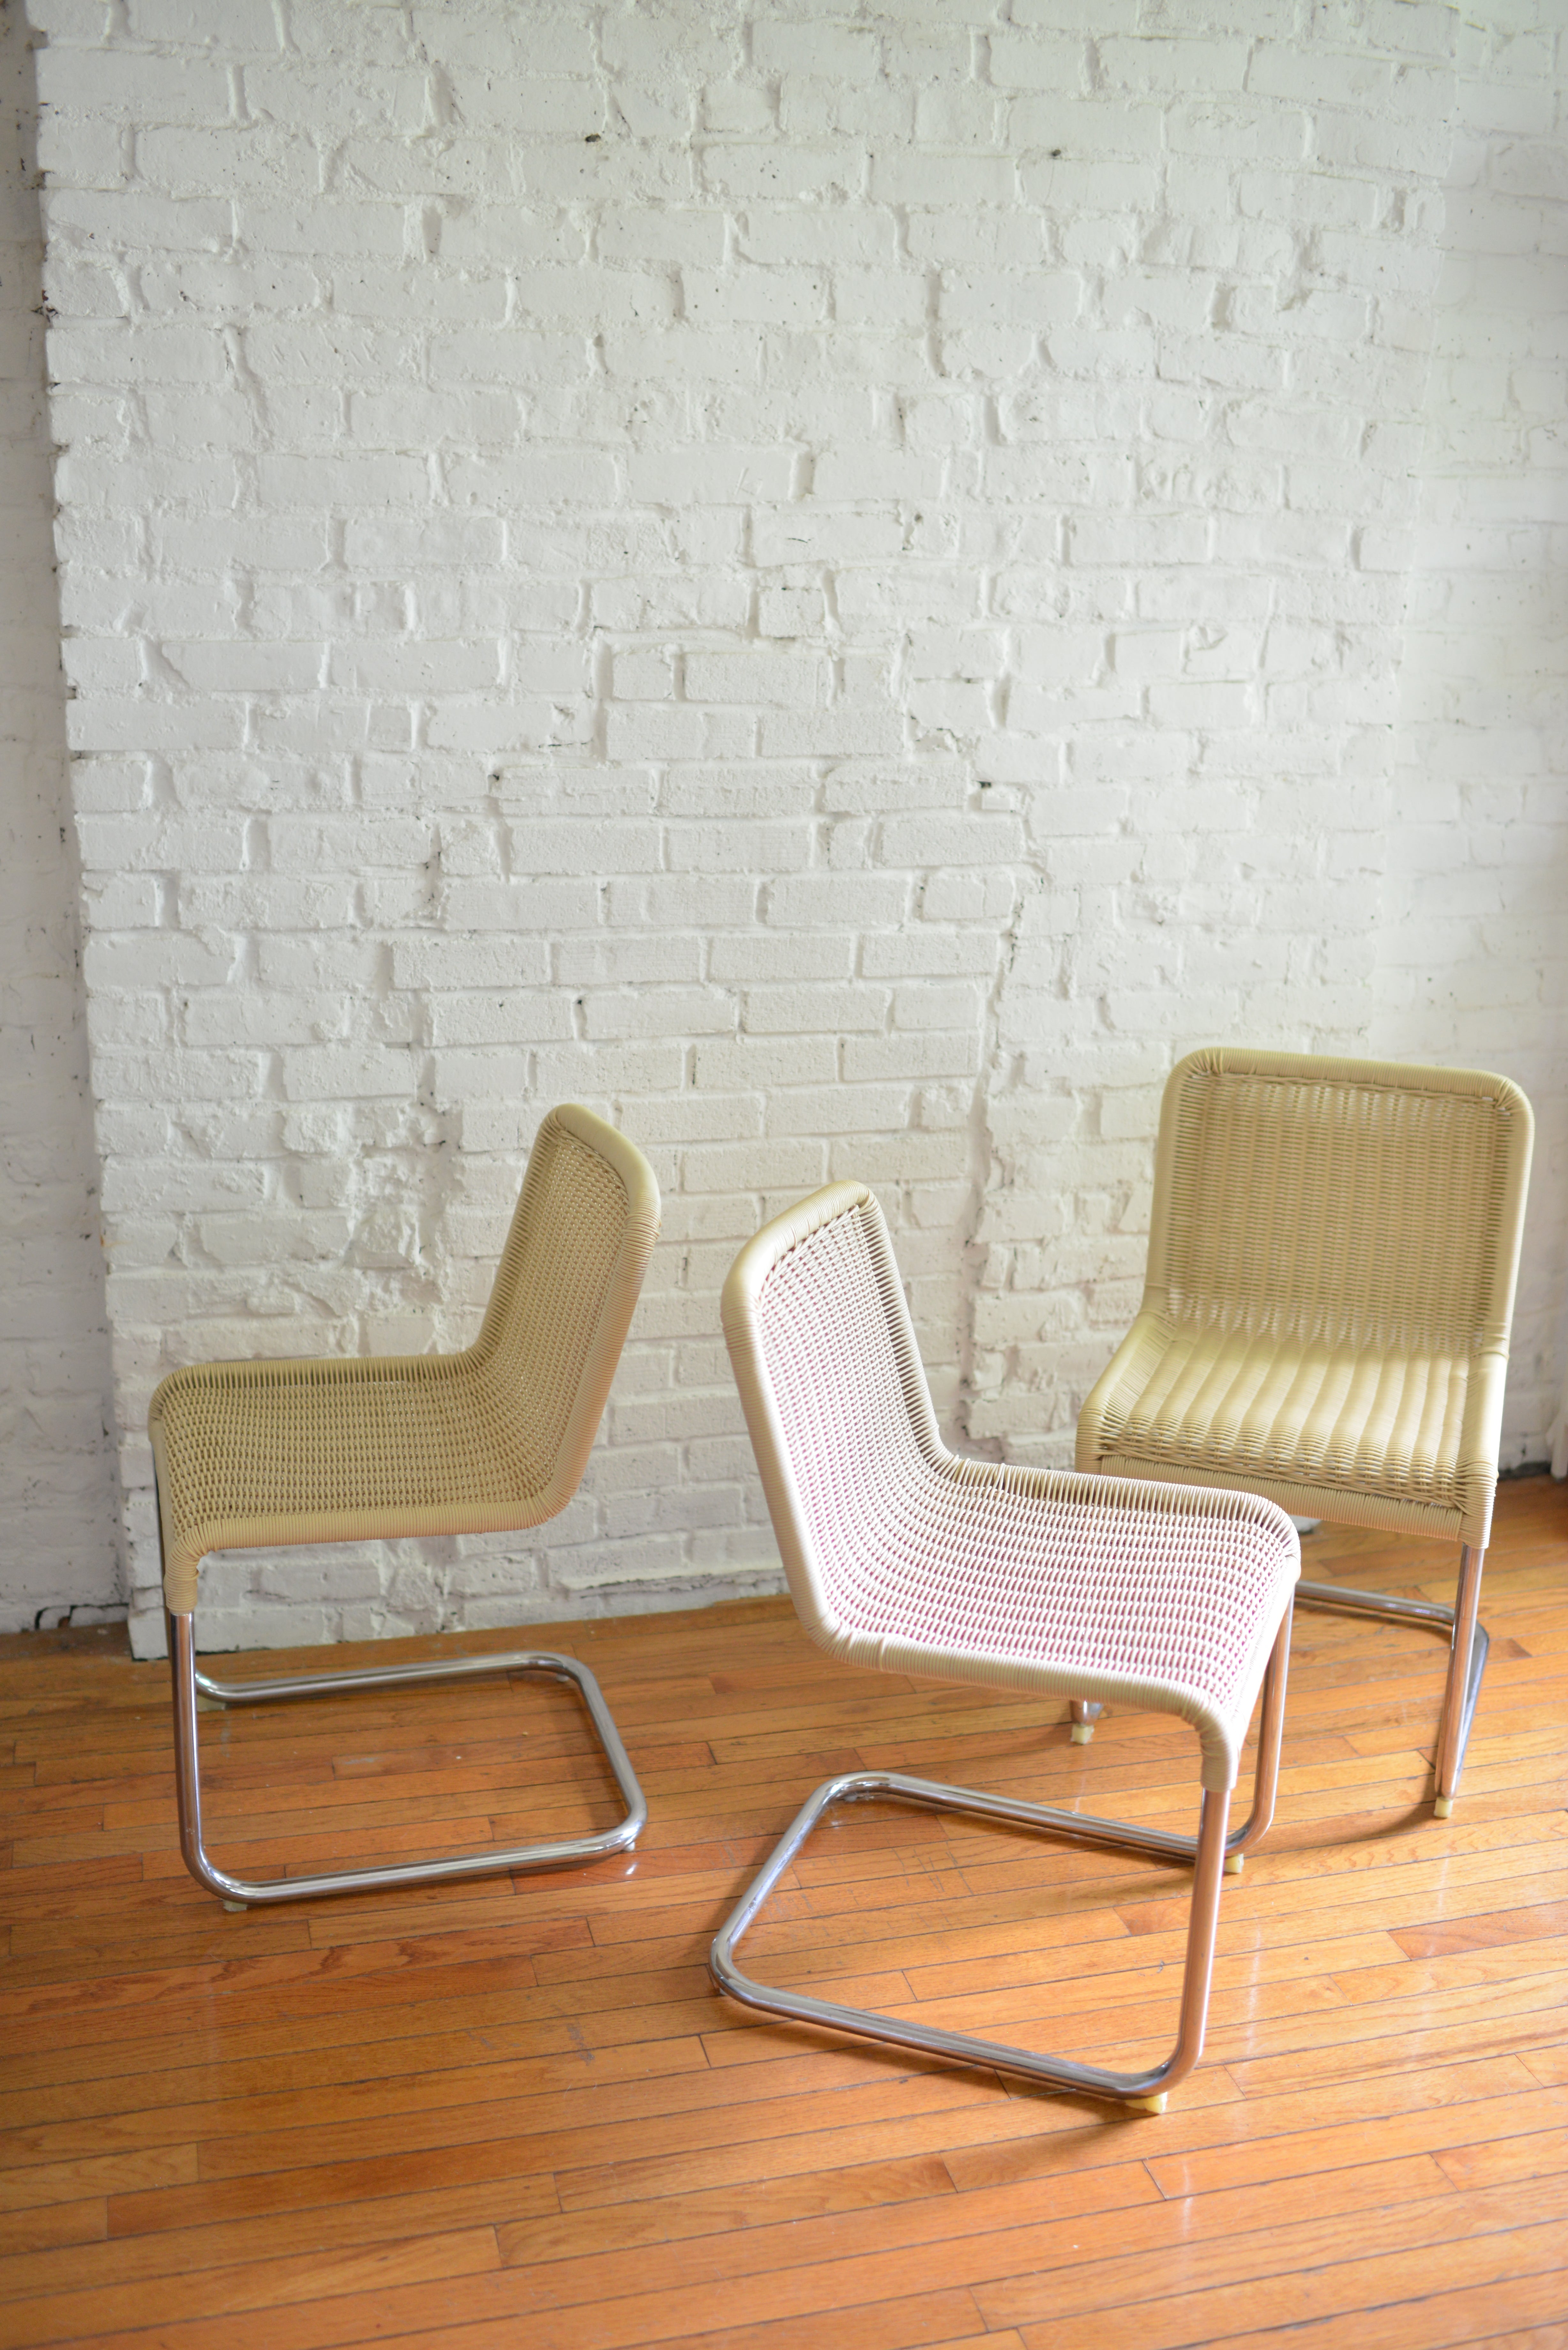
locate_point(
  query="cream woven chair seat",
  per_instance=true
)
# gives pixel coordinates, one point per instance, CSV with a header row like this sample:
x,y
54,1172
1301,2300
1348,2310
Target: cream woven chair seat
x,y
1332,1251
1227,1405
282,1452
902,1556
264,1455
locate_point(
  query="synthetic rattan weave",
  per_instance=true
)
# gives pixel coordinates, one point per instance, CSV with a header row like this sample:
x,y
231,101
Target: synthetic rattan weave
x,y
902,1554
253,1454
1331,1273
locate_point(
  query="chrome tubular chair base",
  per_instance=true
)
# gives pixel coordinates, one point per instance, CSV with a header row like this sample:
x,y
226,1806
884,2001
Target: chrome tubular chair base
x,y
1212,1852
192,1687
1137,2090
1468,1645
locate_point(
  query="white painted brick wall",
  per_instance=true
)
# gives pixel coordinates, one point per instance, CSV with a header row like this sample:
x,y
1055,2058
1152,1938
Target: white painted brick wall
x,y
828,581
1473,953
58,1499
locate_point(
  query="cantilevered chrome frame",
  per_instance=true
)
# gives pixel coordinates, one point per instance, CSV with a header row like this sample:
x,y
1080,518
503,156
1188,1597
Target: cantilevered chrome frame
x,y
1211,1852
238,1892
1468,1644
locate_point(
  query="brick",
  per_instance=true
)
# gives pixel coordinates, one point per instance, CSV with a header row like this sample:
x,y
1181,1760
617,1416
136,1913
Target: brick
x,y
777,173
780,298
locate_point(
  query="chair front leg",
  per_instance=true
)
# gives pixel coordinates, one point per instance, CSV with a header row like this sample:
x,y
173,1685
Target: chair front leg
x,y
1467,1662
1266,1770
230,1891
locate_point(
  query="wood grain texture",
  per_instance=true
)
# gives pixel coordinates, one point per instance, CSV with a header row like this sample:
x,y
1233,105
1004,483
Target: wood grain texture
x,y
512,2114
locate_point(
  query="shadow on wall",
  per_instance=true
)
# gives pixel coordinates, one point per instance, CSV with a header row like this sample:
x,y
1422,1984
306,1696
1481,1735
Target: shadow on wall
x,y
58,1559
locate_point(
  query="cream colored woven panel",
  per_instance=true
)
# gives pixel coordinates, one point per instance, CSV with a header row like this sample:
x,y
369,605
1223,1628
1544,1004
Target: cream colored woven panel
x,y
903,1555
1332,1261
256,1454
1382,1423
549,1289
1354,1215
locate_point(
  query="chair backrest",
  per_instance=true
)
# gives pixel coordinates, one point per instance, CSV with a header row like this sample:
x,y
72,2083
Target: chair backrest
x,y
565,1292
1362,1203
833,1392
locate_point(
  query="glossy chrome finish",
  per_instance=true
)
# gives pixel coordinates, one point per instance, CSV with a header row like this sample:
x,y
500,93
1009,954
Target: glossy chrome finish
x,y
1210,1851
1467,1645
1049,2071
1467,1662
1266,1768
236,1891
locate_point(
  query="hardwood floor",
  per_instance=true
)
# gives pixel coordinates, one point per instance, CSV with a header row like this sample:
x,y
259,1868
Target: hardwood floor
x,y
512,2114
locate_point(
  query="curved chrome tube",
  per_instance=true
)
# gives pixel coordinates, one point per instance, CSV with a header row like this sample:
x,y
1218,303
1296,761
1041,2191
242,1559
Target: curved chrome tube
x,y
1208,1852
566,1852
956,2047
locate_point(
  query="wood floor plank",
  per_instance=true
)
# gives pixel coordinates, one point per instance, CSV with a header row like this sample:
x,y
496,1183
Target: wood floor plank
x,y
964,2238
270,2285
1528,2153
658,2220
1463,2139
1502,2313
1297,2268
588,2262
101,2174
691,2108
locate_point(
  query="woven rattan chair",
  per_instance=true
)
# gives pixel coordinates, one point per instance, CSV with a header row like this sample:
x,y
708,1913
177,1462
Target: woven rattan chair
x,y
253,1455
903,1555
1331,1269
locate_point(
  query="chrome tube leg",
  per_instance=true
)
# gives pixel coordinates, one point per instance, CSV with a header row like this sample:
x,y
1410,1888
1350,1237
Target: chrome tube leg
x,y
187,1764
1145,2090
1202,1928
1266,1770
1086,1712
1466,1639
1467,1661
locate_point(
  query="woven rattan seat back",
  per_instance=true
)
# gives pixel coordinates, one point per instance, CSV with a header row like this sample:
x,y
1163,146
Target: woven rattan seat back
x,y
1325,1206
858,1437
362,1447
563,1294
901,1553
